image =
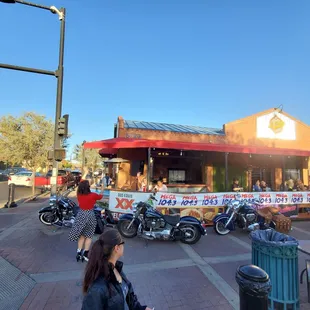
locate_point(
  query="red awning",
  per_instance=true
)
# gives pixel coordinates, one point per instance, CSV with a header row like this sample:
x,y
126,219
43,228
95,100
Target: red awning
x,y
107,151
126,143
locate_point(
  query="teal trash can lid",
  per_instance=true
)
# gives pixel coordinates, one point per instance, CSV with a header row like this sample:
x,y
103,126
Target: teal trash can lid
x,y
253,273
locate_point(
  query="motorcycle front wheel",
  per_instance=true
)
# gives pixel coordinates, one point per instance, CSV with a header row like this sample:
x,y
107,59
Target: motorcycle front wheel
x,y
48,218
192,234
126,232
220,228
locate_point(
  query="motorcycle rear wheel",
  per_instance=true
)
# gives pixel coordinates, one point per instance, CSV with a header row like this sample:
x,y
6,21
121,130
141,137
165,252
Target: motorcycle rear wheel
x,y
194,232
48,218
124,231
220,229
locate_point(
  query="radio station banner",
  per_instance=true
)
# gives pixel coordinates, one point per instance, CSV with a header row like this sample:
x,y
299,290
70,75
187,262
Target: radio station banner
x,y
124,201
204,206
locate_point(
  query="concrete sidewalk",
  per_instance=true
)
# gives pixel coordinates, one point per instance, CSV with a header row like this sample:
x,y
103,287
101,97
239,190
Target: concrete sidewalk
x,y
38,268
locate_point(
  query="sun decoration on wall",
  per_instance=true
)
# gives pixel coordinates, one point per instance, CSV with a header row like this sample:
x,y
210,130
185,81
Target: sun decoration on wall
x,y
276,124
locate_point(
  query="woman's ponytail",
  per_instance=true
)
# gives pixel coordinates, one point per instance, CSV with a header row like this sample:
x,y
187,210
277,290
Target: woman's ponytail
x,y
97,265
100,253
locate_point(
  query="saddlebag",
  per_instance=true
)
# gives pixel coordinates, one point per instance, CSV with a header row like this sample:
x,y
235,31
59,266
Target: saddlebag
x,y
283,223
266,214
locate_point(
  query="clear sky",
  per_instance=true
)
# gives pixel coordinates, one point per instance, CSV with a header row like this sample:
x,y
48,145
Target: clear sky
x,y
190,62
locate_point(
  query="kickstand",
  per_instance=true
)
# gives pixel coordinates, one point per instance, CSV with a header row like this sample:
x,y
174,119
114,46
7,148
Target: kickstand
x,y
146,243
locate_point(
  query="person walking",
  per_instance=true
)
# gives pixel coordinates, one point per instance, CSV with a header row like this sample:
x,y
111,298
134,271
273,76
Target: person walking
x,y
105,285
85,223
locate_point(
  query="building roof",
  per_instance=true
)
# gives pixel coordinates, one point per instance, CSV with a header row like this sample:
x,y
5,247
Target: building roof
x,y
173,128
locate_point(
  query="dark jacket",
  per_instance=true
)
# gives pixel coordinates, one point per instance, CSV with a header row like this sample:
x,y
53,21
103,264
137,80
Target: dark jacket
x,y
100,297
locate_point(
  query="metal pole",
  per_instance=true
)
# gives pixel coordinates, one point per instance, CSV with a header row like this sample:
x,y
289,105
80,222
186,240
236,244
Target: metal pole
x,y
26,69
11,202
226,171
148,168
59,75
39,6
83,156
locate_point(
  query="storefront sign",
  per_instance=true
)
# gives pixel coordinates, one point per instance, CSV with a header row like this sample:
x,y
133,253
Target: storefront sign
x,y
275,125
133,136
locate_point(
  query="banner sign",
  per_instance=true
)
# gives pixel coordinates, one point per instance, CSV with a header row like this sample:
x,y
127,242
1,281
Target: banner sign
x,y
123,202
205,206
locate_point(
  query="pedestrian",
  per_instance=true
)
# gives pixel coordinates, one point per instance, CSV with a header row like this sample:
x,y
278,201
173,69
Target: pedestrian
x,y
143,185
257,186
106,180
105,285
161,187
235,186
85,223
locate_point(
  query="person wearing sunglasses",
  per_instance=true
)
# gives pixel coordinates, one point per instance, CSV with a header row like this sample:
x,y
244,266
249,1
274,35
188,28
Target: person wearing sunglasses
x,y
105,285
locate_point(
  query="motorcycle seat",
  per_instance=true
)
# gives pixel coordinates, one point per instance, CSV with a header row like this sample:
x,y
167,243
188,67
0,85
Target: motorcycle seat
x,y
172,219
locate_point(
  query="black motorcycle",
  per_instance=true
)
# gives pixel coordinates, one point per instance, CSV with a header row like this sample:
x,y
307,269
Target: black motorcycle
x,y
241,214
150,224
62,212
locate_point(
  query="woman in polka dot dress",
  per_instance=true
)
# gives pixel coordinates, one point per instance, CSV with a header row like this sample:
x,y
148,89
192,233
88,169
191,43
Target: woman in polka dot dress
x,y
85,223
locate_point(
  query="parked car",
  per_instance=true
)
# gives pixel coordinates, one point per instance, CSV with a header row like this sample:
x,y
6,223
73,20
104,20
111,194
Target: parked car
x,y
12,171
98,172
64,179
77,176
70,179
24,178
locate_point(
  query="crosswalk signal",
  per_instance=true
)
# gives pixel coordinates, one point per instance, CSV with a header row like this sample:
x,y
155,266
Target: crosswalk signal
x,y
59,154
62,128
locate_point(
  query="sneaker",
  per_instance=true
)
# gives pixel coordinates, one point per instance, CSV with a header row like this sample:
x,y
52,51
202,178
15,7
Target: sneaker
x,y
84,258
79,256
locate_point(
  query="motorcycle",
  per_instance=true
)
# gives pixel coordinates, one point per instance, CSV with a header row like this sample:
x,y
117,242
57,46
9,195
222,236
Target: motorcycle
x,y
150,224
62,212
242,214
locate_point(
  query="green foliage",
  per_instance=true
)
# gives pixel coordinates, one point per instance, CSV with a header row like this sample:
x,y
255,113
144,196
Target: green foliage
x,y
66,164
26,139
92,158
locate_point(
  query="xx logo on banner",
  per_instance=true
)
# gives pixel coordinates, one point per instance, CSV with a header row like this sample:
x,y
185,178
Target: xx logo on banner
x,y
124,203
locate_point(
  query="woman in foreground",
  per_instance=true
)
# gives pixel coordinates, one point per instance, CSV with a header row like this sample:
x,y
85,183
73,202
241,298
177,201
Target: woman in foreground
x,y
105,285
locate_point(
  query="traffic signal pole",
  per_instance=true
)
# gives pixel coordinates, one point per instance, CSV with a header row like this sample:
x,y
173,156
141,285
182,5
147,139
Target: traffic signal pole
x,y
58,74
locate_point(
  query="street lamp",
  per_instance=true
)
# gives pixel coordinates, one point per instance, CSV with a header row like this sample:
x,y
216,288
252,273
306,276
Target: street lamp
x,y
58,74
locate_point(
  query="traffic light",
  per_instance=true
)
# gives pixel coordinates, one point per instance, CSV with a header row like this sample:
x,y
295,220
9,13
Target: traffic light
x,y
50,155
60,154
62,128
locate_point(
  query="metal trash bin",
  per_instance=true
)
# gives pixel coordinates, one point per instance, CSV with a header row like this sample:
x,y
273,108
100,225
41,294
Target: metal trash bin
x,y
277,254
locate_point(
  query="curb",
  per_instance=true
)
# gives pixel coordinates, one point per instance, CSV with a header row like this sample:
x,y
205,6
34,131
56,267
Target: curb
x,y
22,201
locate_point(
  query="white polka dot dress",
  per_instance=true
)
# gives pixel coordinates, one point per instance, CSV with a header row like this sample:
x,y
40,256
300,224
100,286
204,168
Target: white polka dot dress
x,y
84,225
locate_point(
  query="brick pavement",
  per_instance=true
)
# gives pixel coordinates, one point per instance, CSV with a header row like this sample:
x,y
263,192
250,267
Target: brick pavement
x,y
165,275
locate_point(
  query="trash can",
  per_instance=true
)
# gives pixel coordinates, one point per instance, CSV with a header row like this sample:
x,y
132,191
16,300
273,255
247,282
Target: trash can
x,y
277,254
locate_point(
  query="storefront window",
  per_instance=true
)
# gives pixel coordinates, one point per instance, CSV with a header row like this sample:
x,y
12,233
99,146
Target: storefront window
x,y
177,176
292,174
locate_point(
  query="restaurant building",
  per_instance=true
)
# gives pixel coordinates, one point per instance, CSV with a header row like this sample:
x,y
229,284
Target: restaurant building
x,y
271,146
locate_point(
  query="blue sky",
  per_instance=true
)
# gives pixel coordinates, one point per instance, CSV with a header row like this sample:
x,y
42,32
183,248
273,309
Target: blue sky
x,y
203,62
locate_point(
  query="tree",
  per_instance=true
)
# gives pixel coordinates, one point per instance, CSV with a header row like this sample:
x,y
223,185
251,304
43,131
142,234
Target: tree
x,y
66,164
26,140
92,158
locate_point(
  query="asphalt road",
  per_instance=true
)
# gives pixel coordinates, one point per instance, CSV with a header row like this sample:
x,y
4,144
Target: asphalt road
x,y
20,192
